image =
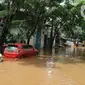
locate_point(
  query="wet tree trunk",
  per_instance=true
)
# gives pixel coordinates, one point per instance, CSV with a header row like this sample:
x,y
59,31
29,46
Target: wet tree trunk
x,y
30,34
45,43
50,40
50,44
1,46
57,41
28,40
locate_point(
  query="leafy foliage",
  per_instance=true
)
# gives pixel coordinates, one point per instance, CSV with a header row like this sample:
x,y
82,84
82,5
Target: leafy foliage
x,y
45,14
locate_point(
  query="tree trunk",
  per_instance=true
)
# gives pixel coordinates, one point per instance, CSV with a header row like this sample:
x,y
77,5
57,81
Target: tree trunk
x,y
50,44
57,41
1,46
45,44
51,39
28,40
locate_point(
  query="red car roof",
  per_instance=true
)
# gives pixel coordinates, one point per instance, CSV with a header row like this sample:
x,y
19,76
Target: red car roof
x,y
18,44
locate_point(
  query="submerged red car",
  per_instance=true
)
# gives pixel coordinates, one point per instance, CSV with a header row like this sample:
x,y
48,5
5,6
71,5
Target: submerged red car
x,y
20,50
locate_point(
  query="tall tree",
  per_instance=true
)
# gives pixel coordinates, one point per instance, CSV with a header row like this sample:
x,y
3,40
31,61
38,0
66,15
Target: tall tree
x,y
12,6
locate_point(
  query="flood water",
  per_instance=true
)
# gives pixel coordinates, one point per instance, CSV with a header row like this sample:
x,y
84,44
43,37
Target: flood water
x,y
66,67
78,52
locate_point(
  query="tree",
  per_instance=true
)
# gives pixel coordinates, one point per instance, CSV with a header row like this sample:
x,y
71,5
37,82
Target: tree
x,y
12,6
35,14
60,19
64,19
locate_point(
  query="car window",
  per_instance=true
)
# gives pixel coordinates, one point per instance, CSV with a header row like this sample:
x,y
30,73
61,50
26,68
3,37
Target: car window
x,y
11,47
27,47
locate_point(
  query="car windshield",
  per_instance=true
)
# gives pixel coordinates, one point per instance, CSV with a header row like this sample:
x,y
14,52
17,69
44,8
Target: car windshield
x,y
12,47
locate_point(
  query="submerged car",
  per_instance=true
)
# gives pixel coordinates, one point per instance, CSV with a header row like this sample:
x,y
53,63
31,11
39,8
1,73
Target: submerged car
x,y
20,50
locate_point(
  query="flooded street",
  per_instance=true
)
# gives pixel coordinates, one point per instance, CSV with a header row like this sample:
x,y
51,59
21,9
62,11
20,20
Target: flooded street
x,y
40,70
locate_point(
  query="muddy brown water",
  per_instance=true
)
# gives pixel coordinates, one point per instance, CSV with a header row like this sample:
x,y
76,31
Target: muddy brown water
x,y
66,70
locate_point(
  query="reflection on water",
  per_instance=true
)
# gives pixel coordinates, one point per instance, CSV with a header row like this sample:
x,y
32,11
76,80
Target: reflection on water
x,y
70,52
78,52
49,65
49,68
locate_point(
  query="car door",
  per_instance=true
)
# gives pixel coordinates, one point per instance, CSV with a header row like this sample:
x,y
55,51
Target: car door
x,y
25,50
30,50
